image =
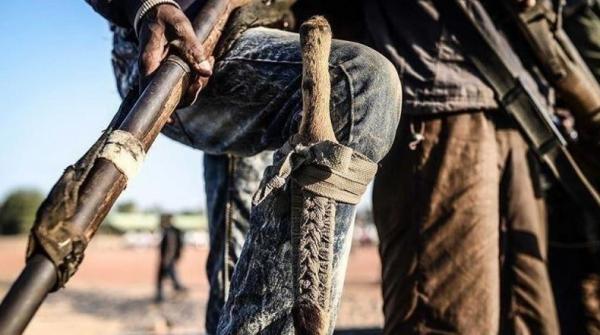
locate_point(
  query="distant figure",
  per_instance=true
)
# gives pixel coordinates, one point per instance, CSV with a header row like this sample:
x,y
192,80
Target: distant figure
x,y
170,251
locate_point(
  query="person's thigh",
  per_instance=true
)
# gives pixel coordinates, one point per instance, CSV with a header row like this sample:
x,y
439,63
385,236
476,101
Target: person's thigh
x,y
436,210
528,303
253,101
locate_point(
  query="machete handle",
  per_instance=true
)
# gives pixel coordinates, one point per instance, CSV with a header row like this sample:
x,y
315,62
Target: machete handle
x,y
315,42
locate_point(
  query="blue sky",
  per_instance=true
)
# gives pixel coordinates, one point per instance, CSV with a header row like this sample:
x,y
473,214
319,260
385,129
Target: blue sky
x,y
57,93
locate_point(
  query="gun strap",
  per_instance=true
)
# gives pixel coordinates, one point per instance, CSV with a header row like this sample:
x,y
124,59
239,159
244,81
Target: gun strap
x,y
516,98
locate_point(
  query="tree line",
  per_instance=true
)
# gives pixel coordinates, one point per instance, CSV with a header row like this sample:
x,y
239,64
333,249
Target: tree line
x,y
17,211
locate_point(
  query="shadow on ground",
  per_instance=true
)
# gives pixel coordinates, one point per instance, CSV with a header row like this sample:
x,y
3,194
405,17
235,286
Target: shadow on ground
x,y
140,312
180,312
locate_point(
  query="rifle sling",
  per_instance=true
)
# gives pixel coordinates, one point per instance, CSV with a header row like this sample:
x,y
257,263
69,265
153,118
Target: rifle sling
x,y
516,98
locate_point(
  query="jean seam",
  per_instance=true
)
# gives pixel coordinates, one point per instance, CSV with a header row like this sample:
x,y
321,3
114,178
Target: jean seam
x,y
227,232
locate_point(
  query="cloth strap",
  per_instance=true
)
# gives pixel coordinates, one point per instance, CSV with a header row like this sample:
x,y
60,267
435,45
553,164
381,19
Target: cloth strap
x,y
326,169
125,151
52,232
318,177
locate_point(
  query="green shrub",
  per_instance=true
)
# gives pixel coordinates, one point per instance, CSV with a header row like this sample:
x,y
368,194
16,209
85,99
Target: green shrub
x,y
17,212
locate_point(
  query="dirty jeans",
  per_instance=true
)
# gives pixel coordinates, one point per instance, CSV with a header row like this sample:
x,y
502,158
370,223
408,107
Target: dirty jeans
x,y
467,217
230,182
253,103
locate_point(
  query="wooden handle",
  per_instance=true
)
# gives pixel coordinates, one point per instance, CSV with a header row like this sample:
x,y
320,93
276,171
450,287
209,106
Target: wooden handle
x,y
315,41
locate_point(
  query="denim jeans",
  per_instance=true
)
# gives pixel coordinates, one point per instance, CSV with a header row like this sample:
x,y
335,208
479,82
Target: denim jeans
x,y
253,103
230,183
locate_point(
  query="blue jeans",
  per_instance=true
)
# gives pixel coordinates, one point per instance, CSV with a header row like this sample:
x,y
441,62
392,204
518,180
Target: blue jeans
x,y
230,183
252,104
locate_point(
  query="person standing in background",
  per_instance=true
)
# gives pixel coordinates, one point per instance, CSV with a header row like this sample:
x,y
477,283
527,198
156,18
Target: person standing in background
x,y
463,244
171,245
574,249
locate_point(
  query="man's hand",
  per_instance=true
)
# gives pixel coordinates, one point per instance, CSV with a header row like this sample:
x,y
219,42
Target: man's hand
x,y
163,29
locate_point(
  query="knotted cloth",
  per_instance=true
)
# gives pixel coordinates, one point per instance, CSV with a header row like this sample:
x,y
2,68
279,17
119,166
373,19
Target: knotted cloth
x,y
326,169
53,232
125,151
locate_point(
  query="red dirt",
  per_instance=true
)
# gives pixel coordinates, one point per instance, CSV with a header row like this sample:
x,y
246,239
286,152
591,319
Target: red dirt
x,y
111,293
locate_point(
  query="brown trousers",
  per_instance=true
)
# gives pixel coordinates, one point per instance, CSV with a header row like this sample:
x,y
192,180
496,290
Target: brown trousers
x,y
457,217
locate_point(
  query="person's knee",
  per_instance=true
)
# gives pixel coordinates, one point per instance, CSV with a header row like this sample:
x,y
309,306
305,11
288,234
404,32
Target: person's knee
x,y
385,104
376,99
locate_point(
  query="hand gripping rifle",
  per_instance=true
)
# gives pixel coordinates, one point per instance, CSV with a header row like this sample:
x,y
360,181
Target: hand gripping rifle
x,y
77,204
517,98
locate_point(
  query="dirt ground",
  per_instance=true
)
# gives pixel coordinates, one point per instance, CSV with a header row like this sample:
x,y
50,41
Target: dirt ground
x,y
112,292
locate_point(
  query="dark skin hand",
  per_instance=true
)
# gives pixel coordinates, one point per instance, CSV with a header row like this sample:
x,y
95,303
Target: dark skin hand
x,y
165,29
